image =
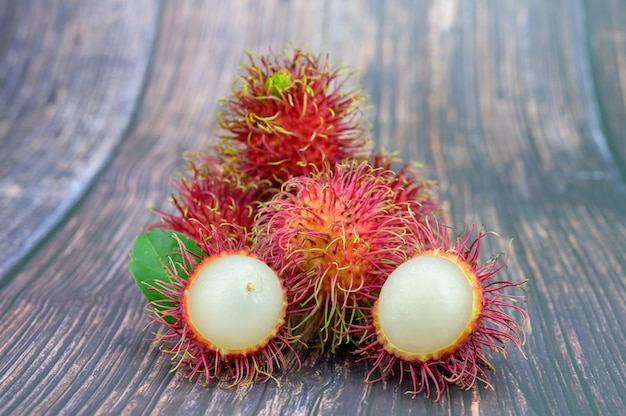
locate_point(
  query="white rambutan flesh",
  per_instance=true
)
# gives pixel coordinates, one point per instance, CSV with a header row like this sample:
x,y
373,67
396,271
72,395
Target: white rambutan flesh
x,y
235,303
427,306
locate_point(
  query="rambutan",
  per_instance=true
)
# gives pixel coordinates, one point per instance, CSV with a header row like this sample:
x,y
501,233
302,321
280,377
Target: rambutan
x,y
224,313
334,236
410,186
439,315
213,195
291,230
289,115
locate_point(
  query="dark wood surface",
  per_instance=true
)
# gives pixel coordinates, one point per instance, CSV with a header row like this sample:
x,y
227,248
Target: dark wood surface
x,y
517,108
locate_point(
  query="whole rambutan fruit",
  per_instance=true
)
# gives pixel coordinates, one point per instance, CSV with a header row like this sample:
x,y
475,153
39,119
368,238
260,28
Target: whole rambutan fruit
x,y
334,235
439,315
289,115
224,313
410,186
213,195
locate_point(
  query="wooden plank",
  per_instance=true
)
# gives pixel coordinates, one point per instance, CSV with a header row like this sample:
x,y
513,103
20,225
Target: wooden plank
x,y
606,22
70,78
492,96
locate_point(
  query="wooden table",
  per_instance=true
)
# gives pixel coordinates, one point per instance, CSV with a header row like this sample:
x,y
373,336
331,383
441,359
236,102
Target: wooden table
x,y
518,109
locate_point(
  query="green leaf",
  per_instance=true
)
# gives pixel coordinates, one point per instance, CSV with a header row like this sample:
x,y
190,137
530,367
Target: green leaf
x,y
278,81
152,254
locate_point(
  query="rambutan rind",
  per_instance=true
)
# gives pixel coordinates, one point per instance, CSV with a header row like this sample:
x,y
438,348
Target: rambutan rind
x,y
213,195
411,188
499,319
289,115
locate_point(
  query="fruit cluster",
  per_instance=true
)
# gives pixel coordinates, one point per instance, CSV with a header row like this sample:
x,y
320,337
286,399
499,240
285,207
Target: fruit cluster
x,y
291,233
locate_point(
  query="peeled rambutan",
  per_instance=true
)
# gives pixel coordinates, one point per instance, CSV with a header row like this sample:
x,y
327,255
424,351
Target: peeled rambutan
x,y
213,195
224,313
289,115
334,235
440,314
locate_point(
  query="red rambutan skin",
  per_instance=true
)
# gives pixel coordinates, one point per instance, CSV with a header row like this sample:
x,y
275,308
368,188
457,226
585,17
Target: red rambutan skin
x,y
213,196
412,188
334,235
274,132
189,350
500,320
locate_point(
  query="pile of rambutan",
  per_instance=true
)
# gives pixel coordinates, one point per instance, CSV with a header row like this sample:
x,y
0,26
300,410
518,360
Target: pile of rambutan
x,y
291,233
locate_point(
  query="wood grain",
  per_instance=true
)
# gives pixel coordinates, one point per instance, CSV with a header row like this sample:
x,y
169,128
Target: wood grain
x,y
71,77
606,22
514,107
